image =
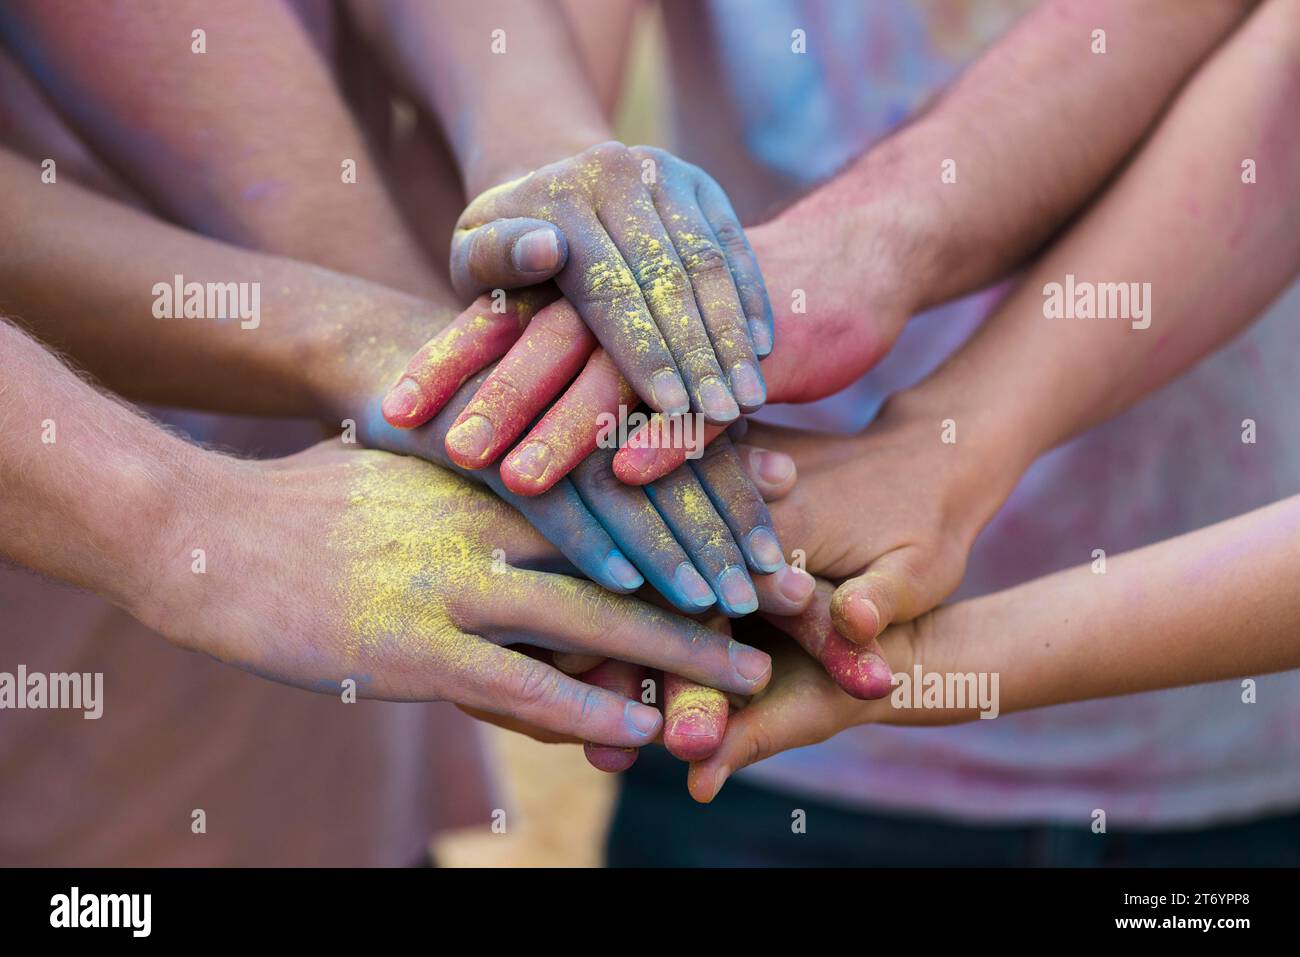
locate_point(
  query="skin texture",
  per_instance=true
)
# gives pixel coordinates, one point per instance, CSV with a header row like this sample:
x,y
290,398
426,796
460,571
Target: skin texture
x,y
657,266
196,146
908,242
928,499
326,348
332,564
565,515
1157,624
646,247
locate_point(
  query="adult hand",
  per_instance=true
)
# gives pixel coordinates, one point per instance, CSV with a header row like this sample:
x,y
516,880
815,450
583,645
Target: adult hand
x,y
650,253
336,564
700,536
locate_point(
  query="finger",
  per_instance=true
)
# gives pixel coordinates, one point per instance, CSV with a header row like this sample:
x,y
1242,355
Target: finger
x,y
566,614
622,679
638,529
695,718
603,289
773,473
689,513
517,686
571,428
648,251
763,728
730,237
708,271
506,254
476,338
519,727
560,514
740,505
893,588
860,670
654,450
785,592
538,366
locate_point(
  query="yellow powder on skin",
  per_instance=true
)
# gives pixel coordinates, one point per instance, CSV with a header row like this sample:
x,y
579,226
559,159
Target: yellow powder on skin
x,y
413,546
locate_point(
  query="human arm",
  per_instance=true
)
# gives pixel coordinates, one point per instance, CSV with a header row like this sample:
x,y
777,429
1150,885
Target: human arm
x,y
647,247
246,141
1156,619
328,565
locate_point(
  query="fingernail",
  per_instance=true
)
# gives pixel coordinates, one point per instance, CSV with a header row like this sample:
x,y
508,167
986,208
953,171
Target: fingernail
x,y
736,591
669,393
470,439
758,331
644,721
531,460
403,401
536,251
639,458
774,467
795,584
693,586
621,570
765,550
716,402
870,608
748,385
750,663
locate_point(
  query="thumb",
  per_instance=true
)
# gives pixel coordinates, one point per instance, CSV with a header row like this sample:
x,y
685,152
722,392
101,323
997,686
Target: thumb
x,y
506,254
755,732
897,586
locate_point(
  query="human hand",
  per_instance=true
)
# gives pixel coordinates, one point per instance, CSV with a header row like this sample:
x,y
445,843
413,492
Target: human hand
x,y
833,323
891,513
696,536
648,250
336,564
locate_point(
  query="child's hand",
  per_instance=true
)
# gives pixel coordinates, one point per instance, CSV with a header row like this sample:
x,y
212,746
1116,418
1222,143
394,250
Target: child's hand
x,y
650,254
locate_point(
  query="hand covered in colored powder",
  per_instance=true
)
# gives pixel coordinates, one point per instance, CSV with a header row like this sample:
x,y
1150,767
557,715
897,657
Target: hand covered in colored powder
x,y
339,563
651,255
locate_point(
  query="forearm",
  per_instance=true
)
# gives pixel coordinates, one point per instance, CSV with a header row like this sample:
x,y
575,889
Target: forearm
x,y
245,141
1033,128
292,348
1216,603
86,481
504,109
1180,219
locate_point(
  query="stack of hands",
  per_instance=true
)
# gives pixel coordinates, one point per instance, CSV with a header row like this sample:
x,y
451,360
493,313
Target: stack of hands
x,y
480,531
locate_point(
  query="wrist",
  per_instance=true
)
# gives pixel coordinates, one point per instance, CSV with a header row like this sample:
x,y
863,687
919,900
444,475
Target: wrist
x,y
973,459
877,225
171,500
345,364
840,292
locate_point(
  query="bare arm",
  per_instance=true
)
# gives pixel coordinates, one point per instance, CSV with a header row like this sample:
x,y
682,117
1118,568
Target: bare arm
x,y
328,565
1033,128
1216,603
246,141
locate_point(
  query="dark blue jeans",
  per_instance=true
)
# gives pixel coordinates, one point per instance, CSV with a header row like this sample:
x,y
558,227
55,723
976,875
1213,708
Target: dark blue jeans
x,y
656,824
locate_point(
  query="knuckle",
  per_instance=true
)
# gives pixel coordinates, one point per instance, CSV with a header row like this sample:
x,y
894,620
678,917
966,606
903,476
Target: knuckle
x,y
704,259
610,284
531,687
730,236
611,154
699,353
662,277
